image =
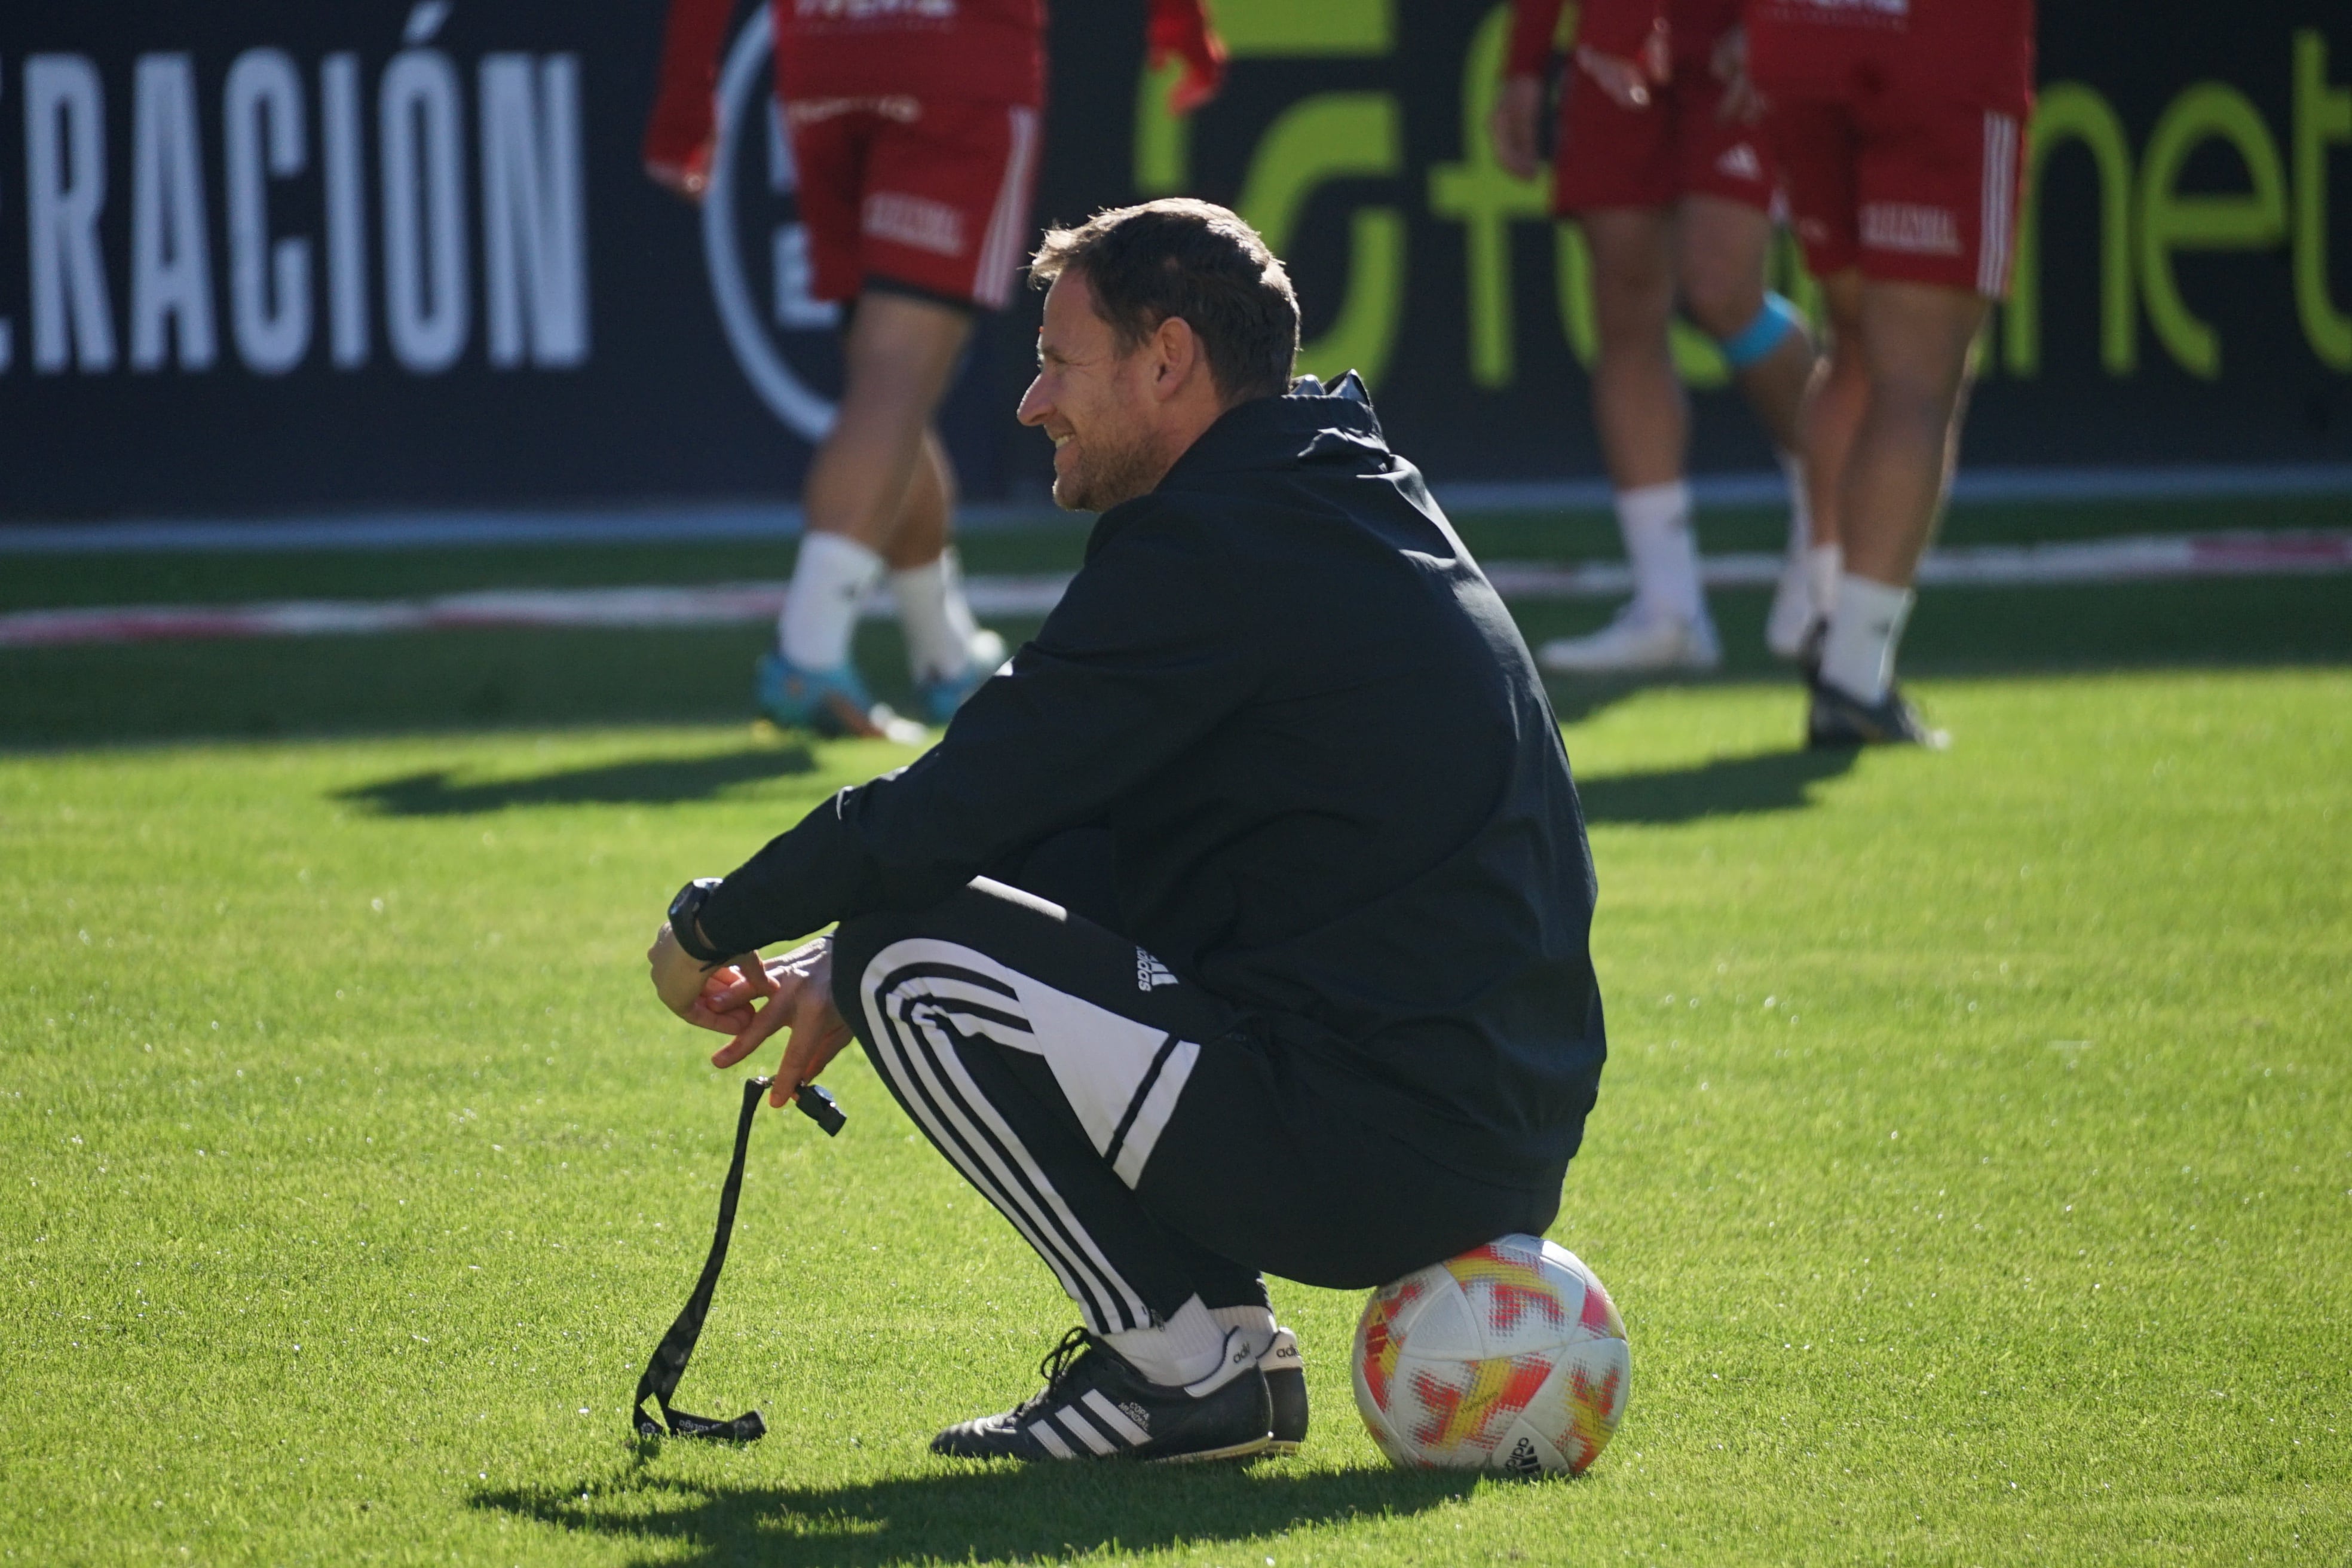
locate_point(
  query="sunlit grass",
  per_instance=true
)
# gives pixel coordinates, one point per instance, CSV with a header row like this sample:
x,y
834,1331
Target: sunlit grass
x,y
1973,1167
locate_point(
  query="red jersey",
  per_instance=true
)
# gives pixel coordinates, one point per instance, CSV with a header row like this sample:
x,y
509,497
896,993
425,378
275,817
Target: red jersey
x,y
991,49
1975,52
1621,27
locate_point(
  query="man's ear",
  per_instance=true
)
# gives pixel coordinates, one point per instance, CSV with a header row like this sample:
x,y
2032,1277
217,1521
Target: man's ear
x,y
1177,357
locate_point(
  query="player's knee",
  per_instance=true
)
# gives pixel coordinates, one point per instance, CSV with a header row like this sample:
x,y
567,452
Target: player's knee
x,y
1719,300
1633,304
1631,280
1747,331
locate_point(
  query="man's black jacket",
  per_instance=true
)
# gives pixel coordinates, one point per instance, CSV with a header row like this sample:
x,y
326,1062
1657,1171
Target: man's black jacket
x,y
1335,785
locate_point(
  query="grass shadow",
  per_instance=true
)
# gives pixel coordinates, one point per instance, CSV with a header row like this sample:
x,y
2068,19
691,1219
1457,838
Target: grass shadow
x,y
1025,1513
1722,786
650,781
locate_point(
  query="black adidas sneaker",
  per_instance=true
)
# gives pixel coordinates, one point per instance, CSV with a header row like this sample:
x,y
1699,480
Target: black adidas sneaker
x,y
1095,1406
1286,1385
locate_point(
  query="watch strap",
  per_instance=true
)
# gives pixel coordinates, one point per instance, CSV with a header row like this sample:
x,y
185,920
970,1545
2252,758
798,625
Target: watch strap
x,y
683,910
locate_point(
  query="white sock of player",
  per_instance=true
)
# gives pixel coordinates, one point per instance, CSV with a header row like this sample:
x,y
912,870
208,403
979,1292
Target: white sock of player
x,y
1800,502
1256,1325
1865,629
1824,564
937,617
830,581
1185,1349
1821,563
1656,522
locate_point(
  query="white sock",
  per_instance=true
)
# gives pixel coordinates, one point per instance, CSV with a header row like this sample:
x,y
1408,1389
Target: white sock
x,y
1185,1349
1864,629
936,617
1800,502
1824,564
1656,522
1256,1325
830,581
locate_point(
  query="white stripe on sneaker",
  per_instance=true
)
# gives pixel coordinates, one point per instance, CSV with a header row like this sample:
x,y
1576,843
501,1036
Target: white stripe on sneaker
x,y
1052,1441
1112,1416
1084,1431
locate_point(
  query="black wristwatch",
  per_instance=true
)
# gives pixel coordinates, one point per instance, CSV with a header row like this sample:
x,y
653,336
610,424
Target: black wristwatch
x,y
683,909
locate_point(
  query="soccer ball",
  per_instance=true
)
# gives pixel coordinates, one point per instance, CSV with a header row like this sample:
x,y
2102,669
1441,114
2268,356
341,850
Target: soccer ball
x,y
1510,1357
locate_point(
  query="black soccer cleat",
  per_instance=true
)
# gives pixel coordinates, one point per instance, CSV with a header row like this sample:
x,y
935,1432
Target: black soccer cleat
x,y
1095,1406
1286,1385
1809,649
1838,719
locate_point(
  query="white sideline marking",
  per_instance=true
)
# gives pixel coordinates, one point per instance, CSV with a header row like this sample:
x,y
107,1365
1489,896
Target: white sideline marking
x,y
2131,560
708,522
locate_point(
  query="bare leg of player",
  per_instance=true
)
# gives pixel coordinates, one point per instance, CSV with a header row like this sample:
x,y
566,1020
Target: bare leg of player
x,y
1721,249
1637,399
1833,413
925,514
901,352
1914,341
947,651
1639,407
1834,405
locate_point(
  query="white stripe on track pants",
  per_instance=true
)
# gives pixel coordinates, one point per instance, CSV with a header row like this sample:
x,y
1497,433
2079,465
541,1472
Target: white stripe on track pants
x,y
1136,1130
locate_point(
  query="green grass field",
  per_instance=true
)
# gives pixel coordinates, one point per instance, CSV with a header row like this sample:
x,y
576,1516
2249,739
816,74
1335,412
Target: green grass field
x,y
1973,1168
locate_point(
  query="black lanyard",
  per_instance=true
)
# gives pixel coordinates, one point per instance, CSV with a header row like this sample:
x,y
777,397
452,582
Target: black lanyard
x,y
676,1347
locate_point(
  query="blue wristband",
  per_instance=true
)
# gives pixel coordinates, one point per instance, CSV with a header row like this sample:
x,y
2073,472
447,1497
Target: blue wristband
x,y
1760,337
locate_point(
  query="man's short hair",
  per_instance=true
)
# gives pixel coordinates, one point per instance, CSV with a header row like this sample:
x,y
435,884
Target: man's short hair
x,y
1193,260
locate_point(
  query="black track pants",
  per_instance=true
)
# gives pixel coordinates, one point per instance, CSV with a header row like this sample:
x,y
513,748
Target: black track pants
x,y
1137,1130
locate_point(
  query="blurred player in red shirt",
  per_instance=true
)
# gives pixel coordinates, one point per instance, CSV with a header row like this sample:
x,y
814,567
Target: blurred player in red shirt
x,y
914,128
1660,166
1899,125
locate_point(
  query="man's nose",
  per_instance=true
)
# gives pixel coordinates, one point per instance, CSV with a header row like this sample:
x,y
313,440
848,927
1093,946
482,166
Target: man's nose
x,y
1034,403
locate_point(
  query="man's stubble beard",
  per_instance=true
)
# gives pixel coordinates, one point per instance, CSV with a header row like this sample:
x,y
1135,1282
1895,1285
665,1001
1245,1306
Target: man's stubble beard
x,y
1112,474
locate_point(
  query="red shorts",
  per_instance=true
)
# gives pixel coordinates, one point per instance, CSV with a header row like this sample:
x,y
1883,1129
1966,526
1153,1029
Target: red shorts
x,y
1615,157
1908,191
929,193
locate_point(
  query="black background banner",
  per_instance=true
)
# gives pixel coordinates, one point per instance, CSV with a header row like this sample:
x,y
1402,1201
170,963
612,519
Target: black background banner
x,y
291,257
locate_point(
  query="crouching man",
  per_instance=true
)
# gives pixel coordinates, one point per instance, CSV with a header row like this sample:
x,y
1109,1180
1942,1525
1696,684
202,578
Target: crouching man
x,y
1239,924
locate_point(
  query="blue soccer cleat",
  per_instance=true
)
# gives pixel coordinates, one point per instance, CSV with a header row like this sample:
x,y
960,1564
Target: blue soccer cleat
x,y
831,702
939,698
941,695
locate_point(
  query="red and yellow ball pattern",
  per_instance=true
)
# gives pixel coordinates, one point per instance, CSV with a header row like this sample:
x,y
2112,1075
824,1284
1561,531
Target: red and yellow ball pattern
x,y
1510,1356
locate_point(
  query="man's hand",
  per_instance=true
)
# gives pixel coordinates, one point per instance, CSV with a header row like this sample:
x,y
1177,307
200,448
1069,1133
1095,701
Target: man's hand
x,y
680,979
1626,81
799,991
1513,125
686,173
1179,29
1742,104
